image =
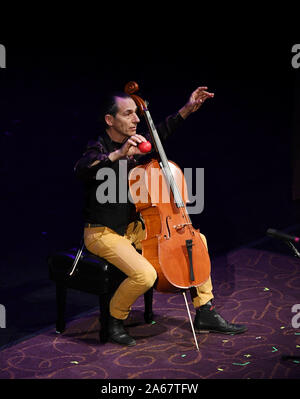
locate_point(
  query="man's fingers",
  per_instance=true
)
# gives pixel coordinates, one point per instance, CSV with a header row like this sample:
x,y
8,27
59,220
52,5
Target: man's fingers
x,y
136,139
132,142
142,138
201,95
206,94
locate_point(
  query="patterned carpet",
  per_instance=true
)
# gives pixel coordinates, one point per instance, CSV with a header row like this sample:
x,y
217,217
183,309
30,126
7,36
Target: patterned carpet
x,y
254,287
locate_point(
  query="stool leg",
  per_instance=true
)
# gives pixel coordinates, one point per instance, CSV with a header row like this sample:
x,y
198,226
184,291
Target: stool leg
x,y
104,300
148,298
61,294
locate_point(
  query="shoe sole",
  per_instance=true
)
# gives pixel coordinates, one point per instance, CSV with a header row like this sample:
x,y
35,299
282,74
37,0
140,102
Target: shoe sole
x,y
120,343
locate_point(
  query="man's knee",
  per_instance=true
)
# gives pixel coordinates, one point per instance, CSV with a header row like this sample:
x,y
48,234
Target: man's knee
x,y
147,277
203,238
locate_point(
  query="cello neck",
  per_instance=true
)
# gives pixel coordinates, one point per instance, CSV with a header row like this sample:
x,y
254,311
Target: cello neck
x,y
164,160
156,139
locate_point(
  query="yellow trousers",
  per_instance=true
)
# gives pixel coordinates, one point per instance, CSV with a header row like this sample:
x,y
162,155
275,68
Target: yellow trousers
x,y
118,250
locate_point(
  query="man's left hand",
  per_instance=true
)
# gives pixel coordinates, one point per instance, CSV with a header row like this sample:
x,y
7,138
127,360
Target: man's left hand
x,y
196,100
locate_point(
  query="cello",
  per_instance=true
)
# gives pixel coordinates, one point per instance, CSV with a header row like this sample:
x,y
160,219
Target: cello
x,y
172,245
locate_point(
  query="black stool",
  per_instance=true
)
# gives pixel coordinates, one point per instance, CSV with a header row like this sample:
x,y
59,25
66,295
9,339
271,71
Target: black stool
x,y
93,275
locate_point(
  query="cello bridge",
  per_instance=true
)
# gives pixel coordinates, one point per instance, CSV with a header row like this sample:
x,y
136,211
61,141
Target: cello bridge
x,y
180,226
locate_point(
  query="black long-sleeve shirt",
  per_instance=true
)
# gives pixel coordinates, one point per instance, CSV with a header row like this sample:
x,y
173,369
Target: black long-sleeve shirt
x,y
115,215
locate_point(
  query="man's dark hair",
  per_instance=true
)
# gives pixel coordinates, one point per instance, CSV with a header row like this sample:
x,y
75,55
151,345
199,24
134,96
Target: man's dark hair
x,y
110,105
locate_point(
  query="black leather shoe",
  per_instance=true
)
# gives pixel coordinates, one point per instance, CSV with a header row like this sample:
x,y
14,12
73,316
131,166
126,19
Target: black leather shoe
x,y
208,320
118,334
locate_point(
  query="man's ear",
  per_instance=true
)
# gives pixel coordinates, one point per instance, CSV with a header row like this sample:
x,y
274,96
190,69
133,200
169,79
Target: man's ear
x,y
109,119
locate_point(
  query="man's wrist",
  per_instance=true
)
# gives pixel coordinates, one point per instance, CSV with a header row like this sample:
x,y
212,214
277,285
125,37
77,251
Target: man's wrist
x,y
115,155
185,111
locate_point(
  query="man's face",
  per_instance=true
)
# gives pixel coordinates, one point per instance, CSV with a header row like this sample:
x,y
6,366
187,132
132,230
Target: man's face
x,y
125,121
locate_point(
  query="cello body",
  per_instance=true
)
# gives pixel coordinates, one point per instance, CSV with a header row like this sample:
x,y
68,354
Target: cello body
x,y
167,230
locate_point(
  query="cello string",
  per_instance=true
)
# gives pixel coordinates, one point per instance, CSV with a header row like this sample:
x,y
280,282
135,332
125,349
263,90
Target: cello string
x,y
166,166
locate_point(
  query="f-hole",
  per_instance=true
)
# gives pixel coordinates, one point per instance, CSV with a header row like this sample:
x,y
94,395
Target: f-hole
x,y
168,227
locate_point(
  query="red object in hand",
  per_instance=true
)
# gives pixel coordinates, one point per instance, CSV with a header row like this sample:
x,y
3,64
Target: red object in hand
x,y
145,146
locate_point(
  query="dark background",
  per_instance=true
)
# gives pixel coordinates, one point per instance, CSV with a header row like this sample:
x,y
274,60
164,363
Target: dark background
x,y
246,139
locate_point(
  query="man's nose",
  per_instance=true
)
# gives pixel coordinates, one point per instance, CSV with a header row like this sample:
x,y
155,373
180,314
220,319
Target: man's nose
x,y
136,119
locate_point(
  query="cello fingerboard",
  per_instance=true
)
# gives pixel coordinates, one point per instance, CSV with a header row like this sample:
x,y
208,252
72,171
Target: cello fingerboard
x,y
164,164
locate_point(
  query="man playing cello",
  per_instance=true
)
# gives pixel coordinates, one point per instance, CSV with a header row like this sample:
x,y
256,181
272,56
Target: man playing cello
x,y
114,231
